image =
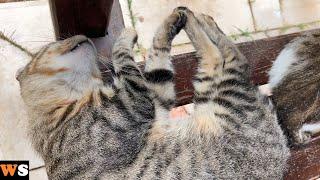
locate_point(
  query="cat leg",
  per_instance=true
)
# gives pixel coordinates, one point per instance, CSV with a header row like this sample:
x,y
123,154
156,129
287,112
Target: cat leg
x,y
128,80
159,69
159,72
221,88
234,62
234,81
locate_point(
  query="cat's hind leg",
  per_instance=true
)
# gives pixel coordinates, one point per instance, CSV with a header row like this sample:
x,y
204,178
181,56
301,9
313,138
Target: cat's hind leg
x,y
234,62
221,90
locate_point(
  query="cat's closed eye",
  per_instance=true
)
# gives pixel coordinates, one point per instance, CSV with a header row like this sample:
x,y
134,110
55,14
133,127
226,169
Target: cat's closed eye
x,y
78,45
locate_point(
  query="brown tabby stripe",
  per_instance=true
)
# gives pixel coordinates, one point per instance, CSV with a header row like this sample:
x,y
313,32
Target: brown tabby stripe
x,y
201,99
193,162
205,93
237,95
172,157
248,108
138,87
145,114
159,76
230,119
162,49
129,92
234,82
208,168
129,70
233,72
120,105
113,127
54,165
122,55
202,79
50,72
37,58
63,117
121,50
73,158
80,168
160,162
148,158
125,60
245,67
177,172
229,105
62,138
166,103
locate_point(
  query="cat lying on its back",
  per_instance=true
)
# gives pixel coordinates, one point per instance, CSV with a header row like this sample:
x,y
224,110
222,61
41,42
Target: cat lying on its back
x,y
295,83
85,130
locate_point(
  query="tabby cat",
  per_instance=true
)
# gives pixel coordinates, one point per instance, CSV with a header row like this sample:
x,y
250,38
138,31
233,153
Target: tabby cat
x,y
295,84
84,129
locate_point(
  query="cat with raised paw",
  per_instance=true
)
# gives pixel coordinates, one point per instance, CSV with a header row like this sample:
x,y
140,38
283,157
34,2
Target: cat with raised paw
x,y
84,129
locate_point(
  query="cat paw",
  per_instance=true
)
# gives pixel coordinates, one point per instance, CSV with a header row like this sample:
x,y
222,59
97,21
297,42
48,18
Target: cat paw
x,y
130,33
302,137
174,23
183,11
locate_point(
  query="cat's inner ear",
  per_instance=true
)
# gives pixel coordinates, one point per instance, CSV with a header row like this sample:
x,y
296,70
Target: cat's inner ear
x,y
19,71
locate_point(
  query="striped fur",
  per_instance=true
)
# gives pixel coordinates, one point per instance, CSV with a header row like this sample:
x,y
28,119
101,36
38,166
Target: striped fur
x,y
86,130
294,79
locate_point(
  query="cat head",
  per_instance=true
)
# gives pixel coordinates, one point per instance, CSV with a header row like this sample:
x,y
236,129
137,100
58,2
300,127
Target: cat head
x,y
61,72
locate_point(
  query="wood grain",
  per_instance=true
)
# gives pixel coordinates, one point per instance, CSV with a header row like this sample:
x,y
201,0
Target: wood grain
x,y
305,162
72,17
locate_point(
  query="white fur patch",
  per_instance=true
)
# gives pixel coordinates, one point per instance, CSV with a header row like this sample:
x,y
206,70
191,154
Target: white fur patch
x,y
311,128
281,66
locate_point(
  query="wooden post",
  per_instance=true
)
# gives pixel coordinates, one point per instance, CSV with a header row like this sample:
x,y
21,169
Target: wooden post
x,y
87,17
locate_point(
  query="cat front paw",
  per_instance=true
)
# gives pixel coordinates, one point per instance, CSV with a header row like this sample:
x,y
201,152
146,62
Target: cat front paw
x,y
179,19
302,137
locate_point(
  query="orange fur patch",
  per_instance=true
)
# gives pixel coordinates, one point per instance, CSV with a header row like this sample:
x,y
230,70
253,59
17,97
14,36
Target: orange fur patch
x,y
48,71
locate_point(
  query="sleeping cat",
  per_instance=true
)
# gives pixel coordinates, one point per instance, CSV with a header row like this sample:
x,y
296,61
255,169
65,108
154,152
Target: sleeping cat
x,y
295,84
84,129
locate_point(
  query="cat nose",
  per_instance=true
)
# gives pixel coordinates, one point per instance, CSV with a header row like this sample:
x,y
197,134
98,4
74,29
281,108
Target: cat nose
x,y
18,73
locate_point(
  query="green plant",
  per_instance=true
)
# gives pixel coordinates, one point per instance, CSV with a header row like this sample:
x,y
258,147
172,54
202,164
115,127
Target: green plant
x,y
14,43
